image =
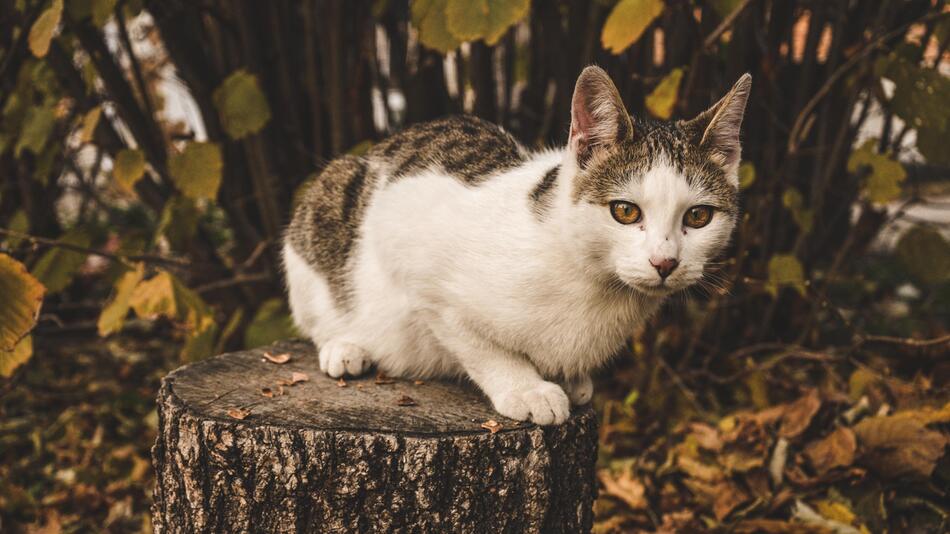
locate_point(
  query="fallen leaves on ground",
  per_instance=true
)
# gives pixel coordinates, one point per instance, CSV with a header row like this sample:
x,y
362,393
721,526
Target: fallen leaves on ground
x,y
406,400
383,380
277,358
297,377
238,413
492,426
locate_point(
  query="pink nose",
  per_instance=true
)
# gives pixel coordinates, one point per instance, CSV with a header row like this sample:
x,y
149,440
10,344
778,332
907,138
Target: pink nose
x,y
664,266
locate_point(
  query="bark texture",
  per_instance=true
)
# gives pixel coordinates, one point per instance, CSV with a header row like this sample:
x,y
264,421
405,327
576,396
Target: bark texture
x,y
324,457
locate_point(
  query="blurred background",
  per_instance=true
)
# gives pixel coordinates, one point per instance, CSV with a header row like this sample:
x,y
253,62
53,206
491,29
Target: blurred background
x,y
151,151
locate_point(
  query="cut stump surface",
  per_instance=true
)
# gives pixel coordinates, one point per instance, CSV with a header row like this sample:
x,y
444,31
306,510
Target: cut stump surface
x,y
242,448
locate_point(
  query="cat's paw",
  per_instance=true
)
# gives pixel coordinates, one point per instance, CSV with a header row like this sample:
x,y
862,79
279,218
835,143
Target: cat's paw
x,y
544,403
339,357
580,390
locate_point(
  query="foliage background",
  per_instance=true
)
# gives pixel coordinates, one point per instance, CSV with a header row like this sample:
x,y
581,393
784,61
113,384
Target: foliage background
x,y
150,152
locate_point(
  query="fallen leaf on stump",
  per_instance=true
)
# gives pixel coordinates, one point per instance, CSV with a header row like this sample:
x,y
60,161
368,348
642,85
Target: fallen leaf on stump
x,y
406,400
341,383
238,413
383,380
279,358
491,425
267,392
419,382
296,377
834,450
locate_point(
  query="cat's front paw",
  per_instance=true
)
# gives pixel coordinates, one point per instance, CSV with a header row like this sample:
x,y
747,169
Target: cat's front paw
x,y
544,403
339,357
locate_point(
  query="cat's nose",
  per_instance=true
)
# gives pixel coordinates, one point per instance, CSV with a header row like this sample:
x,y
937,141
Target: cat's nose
x,y
664,266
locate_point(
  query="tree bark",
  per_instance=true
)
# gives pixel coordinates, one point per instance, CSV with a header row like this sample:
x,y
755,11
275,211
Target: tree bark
x,y
372,455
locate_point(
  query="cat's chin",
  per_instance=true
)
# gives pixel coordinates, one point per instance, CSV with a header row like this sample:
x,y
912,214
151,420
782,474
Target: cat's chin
x,y
650,289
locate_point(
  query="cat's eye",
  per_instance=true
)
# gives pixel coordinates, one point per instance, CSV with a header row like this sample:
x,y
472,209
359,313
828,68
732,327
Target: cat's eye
x,y
625,212
698,216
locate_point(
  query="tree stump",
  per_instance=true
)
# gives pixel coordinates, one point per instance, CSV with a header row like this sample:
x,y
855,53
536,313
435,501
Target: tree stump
x,y
364,455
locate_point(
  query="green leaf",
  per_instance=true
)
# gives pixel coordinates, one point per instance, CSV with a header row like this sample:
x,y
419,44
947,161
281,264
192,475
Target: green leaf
x,y
11,359
746,175
41,33
793,201
627,22
22,298
37,126
469,20
19,222
113,315
241,104
179,222
429,18
663,98
128,167
199,342
56,268
88,125
101,11
925,254
197,170
725,7
883,184
785,270
271,322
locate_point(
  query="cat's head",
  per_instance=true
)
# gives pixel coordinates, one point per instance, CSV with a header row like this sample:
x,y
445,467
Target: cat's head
x,y
657,200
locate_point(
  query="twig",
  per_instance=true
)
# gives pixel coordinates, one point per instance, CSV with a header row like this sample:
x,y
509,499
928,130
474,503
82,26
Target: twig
x,y
235,281
906,341
120,258
725,24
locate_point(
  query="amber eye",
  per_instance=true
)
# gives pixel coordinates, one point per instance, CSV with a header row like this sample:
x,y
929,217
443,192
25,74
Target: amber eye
x,y
698,216
625,212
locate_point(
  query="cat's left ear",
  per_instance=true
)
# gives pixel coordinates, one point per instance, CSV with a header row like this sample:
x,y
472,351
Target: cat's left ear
x,y
720,126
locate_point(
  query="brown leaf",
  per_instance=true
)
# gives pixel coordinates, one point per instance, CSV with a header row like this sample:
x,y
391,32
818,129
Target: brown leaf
x,y
298,377
383,380
419,382
267,392
625,487
279,358
699,470
899,445
798,415
706,436
341,383
728,496
491,425
238,413
406,400
834,450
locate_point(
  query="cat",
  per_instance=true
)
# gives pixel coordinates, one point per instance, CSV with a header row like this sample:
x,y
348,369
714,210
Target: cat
x,y
450,250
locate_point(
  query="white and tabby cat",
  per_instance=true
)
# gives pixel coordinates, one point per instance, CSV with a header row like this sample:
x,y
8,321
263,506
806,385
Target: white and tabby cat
x,y
450,250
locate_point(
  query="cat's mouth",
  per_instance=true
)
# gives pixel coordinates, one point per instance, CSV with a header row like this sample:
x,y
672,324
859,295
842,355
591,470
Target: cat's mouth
x,y
652,288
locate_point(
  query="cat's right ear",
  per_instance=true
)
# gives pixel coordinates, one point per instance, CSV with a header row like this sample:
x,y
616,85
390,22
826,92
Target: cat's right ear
x,y
598,117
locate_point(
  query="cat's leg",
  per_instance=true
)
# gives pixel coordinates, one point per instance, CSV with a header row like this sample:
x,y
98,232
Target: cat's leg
x,y
580,389
511,382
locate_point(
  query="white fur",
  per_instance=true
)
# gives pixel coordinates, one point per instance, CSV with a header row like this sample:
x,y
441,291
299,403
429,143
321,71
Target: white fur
x,y
455,280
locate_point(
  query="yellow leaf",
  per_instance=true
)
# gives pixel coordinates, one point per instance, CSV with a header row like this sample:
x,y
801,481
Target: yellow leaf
x,y
746,175
241,104
11,359
469,20
883,184
101,11
271,322
22,298
113,315
835,511
627,22
128,167
155,297
197,170
793,201
428,16
200,341
89,122
56,267
925,254
41,33
785,270
663,98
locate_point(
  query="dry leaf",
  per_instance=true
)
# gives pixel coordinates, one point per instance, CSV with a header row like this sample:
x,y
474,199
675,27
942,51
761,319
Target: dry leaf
x,y
383,380
279,358
491,425
406,400
341,383
899,445
419,382
834,450
728,496
298,377
706,436
798,415
267,392
699,470
624,487
238,413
